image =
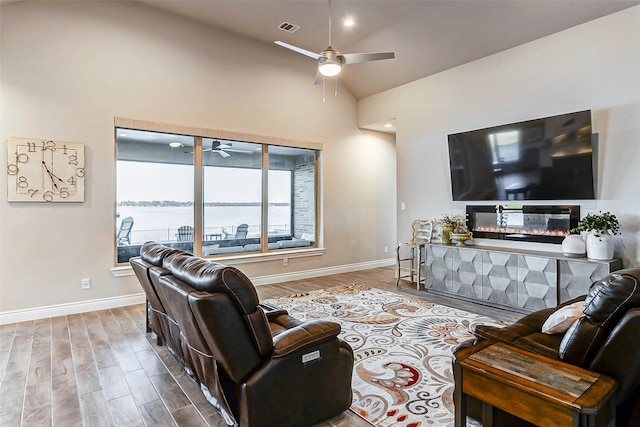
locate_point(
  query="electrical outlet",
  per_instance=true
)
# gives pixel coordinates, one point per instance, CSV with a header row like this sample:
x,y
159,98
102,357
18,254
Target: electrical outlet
x,y
386,249
86,283
285,262
403,206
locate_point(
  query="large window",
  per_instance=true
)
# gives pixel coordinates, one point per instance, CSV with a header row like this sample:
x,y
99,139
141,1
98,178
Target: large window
x,y
213,196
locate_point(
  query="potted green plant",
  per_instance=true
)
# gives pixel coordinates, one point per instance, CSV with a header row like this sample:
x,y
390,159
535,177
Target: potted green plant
x,y
601,228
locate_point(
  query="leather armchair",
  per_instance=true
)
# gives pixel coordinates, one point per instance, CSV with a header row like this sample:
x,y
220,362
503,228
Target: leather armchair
x,y
257,365
606,339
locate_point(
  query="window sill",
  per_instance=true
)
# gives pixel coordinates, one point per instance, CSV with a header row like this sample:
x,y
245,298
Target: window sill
x,y
235,259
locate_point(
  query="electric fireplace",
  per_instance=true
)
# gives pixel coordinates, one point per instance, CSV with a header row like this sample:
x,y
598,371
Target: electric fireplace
x,y
542,224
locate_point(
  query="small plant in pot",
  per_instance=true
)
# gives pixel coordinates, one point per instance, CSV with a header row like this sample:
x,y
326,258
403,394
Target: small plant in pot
x,y
601,228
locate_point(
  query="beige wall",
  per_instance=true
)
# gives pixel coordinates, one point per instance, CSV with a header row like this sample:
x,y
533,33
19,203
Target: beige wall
x,y
593,66
69,68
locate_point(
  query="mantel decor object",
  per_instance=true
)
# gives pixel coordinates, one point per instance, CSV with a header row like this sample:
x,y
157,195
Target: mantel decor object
x,y
601,228
450,224
574,246
461,238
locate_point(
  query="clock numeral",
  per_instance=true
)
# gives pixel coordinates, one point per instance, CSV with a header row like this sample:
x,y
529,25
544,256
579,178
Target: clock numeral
x,y
64,149
73,160
12,169
22,182
64,192
31,147
22,158
80,172
47,196
48,145
32,191
72,181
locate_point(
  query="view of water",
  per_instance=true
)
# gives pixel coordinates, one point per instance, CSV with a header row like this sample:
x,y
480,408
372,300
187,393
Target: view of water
x,y
161,223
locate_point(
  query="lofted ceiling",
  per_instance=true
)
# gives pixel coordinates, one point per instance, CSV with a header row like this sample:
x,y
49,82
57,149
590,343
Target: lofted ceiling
x,y
427,36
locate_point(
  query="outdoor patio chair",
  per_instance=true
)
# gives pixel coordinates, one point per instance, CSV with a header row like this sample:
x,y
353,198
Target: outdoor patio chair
x,y
124,232
185,233
241,232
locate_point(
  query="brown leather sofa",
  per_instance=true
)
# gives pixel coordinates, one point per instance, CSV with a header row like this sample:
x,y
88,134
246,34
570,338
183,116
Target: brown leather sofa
x,y
254,363
606,339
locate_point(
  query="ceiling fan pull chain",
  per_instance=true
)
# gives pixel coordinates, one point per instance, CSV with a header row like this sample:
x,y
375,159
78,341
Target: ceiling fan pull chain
x,y
336,89
324,96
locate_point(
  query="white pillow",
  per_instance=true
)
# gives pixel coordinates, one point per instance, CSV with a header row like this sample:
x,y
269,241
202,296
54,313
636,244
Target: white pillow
x,y
563,318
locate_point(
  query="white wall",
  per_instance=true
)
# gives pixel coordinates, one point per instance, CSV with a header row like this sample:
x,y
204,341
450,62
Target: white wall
x,y
69,68
593,66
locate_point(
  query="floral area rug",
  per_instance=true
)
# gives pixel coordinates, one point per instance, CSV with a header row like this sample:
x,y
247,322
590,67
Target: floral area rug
x,y
403,350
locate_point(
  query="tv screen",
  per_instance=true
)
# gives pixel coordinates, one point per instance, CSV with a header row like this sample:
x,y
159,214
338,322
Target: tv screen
x,y
544,159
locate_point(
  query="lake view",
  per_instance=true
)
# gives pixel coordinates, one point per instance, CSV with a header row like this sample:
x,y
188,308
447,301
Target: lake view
x,y
161,223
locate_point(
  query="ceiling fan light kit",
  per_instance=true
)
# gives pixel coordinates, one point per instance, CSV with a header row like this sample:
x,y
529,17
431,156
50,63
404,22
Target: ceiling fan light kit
x,y
330,69
330,64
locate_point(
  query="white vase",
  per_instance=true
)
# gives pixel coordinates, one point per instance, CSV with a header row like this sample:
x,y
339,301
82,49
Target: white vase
x,y
574,246
600,247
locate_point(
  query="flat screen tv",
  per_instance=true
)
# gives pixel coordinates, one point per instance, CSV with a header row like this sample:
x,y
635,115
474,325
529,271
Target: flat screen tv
x,y
551,158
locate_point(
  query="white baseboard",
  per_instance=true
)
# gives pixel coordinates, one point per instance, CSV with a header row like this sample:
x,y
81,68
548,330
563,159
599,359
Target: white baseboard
x,y
297,275
35,313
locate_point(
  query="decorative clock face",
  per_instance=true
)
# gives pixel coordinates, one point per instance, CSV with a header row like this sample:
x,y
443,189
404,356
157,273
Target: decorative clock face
x,y
41,170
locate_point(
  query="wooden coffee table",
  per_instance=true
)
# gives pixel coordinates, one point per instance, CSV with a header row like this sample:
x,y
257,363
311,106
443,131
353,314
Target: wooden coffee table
x,y
535,388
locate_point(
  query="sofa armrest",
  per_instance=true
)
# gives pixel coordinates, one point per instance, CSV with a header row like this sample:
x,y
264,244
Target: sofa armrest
x,y
303,335
525,326
273,315
619,357
272,311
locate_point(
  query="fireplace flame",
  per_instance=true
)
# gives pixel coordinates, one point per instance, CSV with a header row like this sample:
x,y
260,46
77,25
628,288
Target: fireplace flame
x,y
510,230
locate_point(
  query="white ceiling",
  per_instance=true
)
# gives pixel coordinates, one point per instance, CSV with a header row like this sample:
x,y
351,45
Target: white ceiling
x,y
427,36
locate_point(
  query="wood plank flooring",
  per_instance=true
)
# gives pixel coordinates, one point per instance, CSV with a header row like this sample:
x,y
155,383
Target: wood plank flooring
x,y
101,369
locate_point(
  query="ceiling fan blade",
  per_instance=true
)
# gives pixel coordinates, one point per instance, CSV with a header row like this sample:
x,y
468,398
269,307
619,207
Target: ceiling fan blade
x,y
298,49
223,154
318,78
354,58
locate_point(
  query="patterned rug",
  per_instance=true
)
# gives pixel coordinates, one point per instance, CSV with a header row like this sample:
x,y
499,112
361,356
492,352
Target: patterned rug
x,y
403,350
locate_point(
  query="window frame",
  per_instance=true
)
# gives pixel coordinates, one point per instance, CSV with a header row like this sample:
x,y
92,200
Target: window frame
x,y
198,134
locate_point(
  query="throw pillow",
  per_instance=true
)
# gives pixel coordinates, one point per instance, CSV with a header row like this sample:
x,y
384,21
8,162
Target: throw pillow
x,y
562,319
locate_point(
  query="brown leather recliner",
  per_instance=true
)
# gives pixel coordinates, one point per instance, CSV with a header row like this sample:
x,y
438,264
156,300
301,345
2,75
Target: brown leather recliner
x,y
257,365
606,339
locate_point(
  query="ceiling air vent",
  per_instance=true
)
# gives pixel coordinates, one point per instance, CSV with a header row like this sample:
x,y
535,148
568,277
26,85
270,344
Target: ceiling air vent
x,y
288,27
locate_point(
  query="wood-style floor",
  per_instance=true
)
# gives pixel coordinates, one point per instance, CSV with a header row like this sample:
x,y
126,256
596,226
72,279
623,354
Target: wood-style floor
x,y
101,368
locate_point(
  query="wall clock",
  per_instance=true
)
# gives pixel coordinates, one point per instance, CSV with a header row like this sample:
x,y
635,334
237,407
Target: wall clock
x,y
45,171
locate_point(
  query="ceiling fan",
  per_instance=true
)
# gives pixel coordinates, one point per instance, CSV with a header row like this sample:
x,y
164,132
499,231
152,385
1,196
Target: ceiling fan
x,y
219,147
330,61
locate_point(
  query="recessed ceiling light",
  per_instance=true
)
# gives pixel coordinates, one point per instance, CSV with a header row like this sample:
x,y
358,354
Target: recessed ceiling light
x,y
175,144
388,125
349,22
